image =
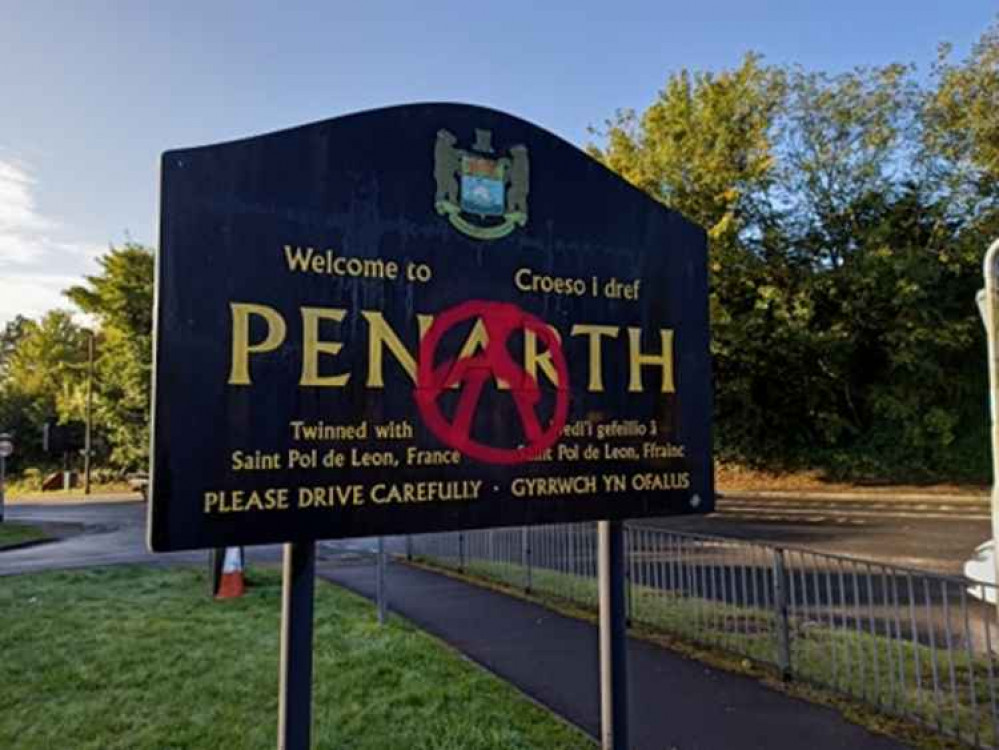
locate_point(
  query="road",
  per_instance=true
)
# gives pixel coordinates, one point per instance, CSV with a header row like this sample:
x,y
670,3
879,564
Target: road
x,y
106,533
932,534
99,533
935,535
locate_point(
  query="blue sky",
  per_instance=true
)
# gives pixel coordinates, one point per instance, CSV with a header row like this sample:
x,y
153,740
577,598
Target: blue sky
x,y
93,92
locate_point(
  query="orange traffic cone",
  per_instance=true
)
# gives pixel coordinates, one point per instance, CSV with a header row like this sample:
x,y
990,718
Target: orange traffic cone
x,y
231,584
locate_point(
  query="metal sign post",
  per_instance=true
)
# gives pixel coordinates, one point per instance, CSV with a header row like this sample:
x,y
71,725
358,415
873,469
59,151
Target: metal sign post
x,y
6,449
991,273
3,479
295,698
613,637
380,582
216,556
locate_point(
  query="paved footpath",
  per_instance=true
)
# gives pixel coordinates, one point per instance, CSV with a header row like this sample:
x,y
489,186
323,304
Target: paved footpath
x,y
675,703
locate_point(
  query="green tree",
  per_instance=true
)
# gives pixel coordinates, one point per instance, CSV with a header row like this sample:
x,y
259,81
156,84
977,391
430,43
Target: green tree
x,y
9,337
845,145
844,245
41,369
869,234
706,147
961,126
910,348
120,298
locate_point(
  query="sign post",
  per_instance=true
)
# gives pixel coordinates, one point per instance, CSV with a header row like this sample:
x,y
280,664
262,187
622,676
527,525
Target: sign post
x,y
6,450
295,698
613,636
381,594
421,318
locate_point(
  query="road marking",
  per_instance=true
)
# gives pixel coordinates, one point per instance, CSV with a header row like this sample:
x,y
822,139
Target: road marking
x,y
723,502
831,497
751,517
729,509
851,508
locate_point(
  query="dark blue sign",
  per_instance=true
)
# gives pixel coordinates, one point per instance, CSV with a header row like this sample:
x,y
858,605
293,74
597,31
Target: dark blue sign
x,y
420,318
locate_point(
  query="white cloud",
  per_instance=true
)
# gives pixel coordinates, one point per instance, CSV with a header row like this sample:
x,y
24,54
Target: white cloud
x,y
38,256
33,294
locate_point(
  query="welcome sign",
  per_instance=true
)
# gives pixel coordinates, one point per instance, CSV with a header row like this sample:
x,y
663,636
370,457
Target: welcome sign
x,y
420,318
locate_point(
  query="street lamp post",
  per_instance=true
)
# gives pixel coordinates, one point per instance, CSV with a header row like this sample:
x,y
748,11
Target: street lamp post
x,y
90,399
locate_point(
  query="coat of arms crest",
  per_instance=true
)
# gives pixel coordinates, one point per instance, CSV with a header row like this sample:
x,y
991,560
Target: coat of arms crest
x,y
482,196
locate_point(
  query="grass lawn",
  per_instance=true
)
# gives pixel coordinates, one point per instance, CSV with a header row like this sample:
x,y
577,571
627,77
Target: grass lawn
x,y
12,533
29,490
134,657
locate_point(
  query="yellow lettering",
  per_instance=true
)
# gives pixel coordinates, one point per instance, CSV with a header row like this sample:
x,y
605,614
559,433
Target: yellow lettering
x,y
478,339
519,279
381,336
296,259
664,359
239,372
594,332
312,347
211,501
534,359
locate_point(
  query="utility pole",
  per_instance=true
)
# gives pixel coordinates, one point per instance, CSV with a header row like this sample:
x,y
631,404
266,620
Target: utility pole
x,y
90,400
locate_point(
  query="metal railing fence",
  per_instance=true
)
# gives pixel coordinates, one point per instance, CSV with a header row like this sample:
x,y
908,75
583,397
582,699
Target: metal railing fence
x,y
907,642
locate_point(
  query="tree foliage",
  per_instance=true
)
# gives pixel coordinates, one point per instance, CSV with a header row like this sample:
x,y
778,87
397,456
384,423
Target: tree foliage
x,y
120,298
41,367
847,217
44,365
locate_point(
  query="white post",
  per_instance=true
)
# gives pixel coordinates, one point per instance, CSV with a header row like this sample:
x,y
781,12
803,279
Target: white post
x,y
991,273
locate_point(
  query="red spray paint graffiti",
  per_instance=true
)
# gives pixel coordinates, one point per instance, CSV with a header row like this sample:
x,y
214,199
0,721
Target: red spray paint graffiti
x,y
501,320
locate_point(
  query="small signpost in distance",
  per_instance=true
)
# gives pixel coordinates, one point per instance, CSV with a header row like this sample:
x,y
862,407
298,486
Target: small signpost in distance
x,y
422,318
6,451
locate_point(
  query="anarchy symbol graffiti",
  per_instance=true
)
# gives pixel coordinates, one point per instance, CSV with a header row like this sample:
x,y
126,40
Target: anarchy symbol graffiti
x,y
471,373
